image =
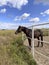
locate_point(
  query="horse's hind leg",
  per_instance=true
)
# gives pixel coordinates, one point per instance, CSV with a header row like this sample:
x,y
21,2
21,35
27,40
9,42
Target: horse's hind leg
x,y
42,40
38,42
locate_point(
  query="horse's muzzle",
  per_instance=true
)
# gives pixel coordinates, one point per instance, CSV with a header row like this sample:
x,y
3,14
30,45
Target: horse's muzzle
x,y
15,33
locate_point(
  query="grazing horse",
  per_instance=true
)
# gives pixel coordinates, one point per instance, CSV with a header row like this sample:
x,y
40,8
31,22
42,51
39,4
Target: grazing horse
x,y
37,34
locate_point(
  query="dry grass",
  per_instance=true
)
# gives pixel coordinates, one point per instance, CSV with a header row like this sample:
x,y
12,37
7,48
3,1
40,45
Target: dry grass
x,y
12,51
6,38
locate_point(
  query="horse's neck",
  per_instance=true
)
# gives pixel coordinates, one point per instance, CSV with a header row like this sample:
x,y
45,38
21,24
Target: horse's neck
x,y
26,31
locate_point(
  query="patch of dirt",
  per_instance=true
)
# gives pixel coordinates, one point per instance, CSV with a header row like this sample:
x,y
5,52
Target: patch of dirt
x,y
41,60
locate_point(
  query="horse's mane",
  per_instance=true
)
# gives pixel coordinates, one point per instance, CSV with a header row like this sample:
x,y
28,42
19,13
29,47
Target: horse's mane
x,y
27,28
31,29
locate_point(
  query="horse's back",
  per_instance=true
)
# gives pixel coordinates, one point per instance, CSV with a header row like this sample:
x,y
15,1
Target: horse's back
x,y
37,33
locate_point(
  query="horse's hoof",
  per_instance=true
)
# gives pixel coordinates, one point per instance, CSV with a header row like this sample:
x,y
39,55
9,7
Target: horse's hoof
x,y
42,46
37,46
30,47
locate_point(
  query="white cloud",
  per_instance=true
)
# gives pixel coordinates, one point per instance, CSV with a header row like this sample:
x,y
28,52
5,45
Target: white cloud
x,y
13,25
41,13
48,20
8,25
22,17
46,12
25,15
17,18
44,2
3,2
36,19
14,3
3,10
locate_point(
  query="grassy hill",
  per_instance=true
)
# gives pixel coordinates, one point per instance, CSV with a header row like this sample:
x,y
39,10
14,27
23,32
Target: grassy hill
x,y
12,50
45,31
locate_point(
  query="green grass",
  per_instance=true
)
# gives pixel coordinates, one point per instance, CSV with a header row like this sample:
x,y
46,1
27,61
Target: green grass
x,y
12,50
45,31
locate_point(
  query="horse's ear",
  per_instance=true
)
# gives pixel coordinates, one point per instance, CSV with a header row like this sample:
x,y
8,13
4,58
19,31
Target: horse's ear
x,y
19,26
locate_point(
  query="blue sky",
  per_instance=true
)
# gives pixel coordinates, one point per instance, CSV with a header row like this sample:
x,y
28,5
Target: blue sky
x,y
23,12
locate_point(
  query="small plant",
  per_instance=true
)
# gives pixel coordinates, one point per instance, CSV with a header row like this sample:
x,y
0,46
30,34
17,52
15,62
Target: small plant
x,y
20,53
12,50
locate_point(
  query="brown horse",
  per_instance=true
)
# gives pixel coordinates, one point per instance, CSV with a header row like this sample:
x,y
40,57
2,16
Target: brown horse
x,y
37,34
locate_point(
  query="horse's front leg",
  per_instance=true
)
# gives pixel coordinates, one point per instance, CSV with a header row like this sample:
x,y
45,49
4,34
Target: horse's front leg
x,y
29,40
38,42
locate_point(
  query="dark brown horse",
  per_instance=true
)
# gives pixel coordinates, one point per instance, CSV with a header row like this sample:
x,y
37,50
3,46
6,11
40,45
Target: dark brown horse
x,y
37,34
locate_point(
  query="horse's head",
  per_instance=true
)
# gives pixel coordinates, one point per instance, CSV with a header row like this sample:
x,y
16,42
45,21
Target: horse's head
x,y
18,30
